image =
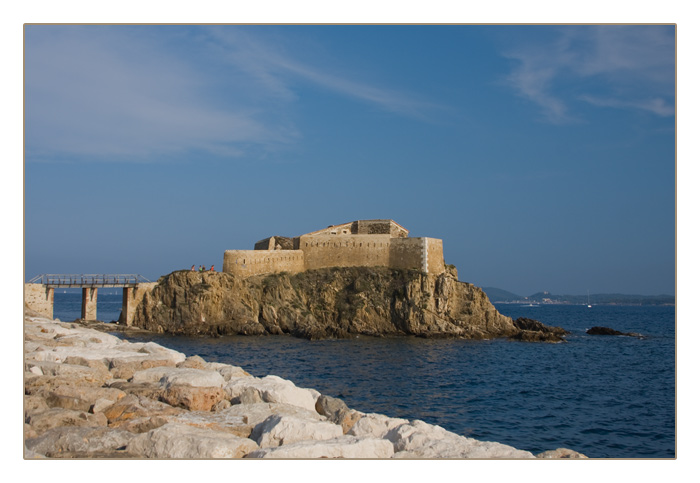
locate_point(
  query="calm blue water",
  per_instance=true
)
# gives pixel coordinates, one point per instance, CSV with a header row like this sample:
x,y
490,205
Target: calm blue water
x,y
607,397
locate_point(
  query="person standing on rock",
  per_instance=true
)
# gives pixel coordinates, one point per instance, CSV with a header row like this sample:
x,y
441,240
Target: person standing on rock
x,y
212,268
192,268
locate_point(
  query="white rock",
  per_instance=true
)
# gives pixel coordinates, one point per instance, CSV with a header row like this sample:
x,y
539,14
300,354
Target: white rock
x,y
418,439
167,376
175,440
227,370
375,425
278,430
255,414
275,390
193,377
342,447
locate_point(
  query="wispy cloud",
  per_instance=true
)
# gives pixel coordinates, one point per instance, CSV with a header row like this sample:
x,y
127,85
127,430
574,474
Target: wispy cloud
x,y
279,69
141,93
624,67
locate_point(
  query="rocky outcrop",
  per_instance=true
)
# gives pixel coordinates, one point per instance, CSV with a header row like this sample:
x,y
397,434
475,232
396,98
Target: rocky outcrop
x,y
77,405
608,331
329,303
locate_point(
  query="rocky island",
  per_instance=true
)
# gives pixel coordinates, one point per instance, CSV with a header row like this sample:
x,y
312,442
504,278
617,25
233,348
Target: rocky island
x,y
89,394
330,303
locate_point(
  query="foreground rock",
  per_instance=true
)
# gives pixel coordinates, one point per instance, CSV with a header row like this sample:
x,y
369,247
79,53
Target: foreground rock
x,y
329,303
91,395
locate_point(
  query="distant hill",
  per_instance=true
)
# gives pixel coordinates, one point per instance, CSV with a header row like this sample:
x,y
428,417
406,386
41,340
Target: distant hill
x,y
499,295
503,296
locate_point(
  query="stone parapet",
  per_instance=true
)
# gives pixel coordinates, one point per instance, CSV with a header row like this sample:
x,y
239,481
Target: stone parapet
x,y
246,263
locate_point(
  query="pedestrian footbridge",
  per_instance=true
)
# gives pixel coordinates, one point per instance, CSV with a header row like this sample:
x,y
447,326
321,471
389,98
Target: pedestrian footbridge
x,y
39,292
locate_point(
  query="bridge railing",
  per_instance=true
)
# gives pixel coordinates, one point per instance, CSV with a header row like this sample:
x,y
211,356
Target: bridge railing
x,y
89,280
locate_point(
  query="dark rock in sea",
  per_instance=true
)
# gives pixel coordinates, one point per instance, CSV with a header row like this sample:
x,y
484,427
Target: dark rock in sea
x,y
608,331
330,303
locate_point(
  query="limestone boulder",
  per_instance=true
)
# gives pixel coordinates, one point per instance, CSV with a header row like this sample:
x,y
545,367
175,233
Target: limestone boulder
x,y
561,453
176,440
273,389
253,414
193,362
222,421
418,439
193,398
140,389
375,425
79,441
337,411
345,446
124,368
56,417
80,375
131,407
167,376
227,370
278,430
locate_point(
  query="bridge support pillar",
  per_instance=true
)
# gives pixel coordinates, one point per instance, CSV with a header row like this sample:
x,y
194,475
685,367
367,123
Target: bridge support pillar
x,y
127,315
89,305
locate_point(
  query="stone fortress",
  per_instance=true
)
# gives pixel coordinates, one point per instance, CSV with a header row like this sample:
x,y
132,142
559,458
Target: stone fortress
x,y
362,243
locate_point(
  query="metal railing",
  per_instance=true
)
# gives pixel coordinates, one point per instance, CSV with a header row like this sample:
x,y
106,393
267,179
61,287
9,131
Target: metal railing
x,y
89,280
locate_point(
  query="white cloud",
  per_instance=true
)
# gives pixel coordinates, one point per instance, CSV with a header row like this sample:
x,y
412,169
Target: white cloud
x,y
136,93
626,67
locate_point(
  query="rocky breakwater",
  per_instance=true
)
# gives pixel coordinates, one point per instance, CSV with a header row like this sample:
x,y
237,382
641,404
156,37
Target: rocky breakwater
x,y
330,303
89,394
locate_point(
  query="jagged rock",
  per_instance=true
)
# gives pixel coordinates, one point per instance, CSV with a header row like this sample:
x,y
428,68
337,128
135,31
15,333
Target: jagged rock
x,y
277,430
337,411
193,398
58,442
349,447
324,303
609,331
177,440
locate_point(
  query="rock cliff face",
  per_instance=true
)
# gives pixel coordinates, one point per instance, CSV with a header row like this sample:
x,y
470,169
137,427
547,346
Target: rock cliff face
x,y
328,303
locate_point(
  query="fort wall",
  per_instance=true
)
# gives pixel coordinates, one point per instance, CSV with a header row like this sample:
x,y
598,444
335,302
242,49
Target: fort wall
x,y
362,243
322,251
39,298
247,263
435,258
407,253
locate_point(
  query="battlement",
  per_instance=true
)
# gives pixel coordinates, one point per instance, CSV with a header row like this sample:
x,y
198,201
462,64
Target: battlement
x,y
368,243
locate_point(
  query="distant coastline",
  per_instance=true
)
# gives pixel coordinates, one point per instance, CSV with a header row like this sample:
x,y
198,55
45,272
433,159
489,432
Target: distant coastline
x,y
500,296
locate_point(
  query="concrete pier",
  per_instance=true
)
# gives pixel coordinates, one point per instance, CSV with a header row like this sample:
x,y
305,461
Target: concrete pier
x,y
88,309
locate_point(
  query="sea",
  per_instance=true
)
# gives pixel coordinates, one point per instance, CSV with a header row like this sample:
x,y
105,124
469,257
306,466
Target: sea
x,y
604,396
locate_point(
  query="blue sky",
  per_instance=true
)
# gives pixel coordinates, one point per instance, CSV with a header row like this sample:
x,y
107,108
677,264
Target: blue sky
x,y
543,156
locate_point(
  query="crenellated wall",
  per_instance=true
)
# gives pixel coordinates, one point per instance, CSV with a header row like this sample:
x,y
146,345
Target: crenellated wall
x,y
247,263
322,251
362,243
